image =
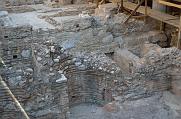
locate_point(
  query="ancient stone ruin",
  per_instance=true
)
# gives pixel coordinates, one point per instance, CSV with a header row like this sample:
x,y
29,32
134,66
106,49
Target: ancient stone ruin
x,y
68,59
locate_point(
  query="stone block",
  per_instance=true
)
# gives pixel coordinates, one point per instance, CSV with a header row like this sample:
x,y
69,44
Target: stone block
x,y
58,2
148,46
72,23
105,10
176,87
2,5
108,39
126,60
65,2
135,41
158,84
80,1
4,19
111,107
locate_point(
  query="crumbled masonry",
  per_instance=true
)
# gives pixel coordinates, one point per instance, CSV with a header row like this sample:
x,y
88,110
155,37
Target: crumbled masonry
x,y
67,59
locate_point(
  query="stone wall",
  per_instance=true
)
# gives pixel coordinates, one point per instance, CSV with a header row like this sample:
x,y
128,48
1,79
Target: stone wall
x,y
2,5
41,71
22,2
18,72
56,3
40,98
51,71
88,87
157,70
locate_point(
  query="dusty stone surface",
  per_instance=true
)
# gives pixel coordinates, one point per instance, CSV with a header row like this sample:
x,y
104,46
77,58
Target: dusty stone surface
x,y
138,109
173,102
4,19
127,60
176,87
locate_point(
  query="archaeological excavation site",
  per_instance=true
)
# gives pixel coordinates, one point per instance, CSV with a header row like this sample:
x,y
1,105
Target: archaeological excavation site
x,y
90,59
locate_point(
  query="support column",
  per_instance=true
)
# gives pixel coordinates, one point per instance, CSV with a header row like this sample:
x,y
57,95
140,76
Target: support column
x,y
146,10
179,36
162,26
161,8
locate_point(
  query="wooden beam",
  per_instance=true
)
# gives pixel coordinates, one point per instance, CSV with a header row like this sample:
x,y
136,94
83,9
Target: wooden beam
x,y
134,11
16,102
122,6
162,26
146,9
140,16
179,36
166,18
169,4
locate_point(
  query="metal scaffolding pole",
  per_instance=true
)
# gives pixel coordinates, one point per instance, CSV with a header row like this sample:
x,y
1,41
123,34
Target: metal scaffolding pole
x,y
18,105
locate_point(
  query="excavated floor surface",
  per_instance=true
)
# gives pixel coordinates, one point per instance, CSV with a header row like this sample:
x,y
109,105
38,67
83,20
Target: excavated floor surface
x,y
86,111
155,107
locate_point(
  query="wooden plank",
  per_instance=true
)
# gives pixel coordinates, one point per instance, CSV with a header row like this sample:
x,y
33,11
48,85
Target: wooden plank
x,y
134,11
177,0
169,4
16,102
163,17
132,6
